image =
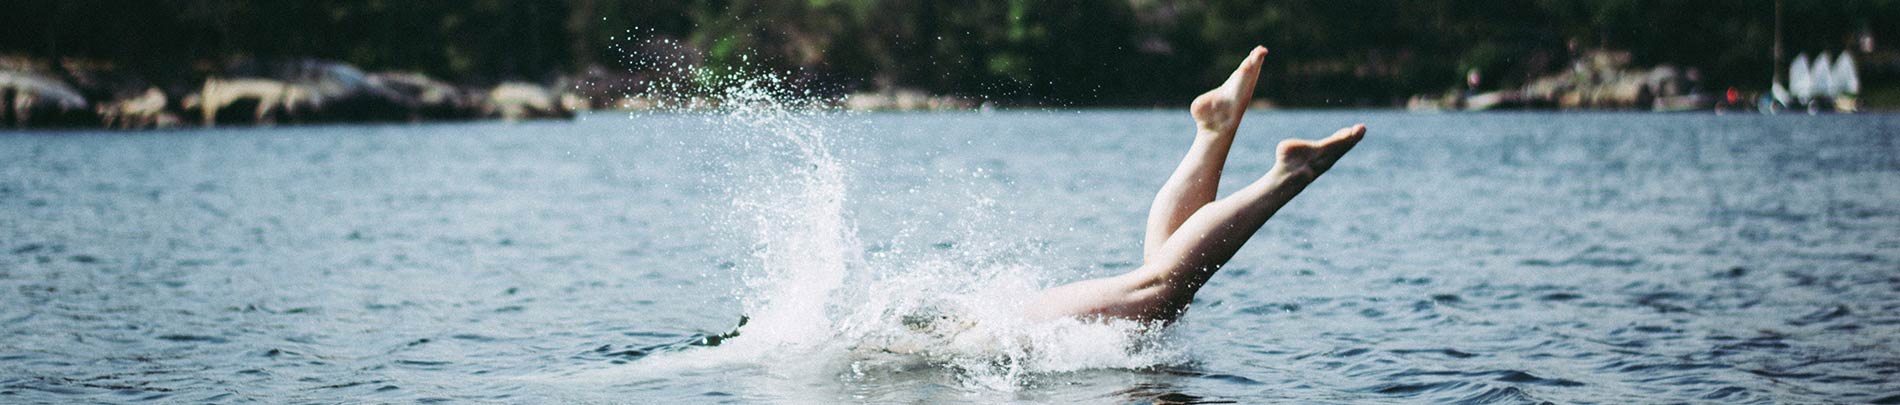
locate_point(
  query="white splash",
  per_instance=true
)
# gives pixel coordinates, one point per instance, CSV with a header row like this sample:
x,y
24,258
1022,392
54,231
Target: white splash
x,y
820,305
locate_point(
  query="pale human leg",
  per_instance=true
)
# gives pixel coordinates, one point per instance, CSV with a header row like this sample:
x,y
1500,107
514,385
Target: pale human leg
x,y
1162,288
1189,237
1196,180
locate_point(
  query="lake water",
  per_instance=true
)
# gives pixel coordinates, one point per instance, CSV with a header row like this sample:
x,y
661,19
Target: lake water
x,y
1482,258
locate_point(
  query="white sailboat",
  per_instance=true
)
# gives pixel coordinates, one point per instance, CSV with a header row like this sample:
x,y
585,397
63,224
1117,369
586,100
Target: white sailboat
x,y
1800,83
1821,77
1846,83
1846,80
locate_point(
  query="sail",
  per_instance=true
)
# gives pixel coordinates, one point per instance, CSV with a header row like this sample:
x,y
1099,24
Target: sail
x,y
1823,76
1800,84
1846,80
1781,95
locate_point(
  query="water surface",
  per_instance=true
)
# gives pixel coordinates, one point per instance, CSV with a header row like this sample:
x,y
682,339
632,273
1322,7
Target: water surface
x,y
1488,258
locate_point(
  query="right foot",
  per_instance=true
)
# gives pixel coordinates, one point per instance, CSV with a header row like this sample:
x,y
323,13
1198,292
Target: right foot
x,y
1219,110
1304,160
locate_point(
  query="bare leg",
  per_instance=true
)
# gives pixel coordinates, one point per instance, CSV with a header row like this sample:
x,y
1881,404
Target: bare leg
x,y
1213,234
1162,288
1196,180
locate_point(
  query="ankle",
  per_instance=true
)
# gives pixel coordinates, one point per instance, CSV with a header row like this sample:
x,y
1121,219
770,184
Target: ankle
x,y
1285,174
1209,132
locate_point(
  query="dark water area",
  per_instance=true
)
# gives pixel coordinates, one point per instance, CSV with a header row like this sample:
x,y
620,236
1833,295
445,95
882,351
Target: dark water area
x,y
1475,258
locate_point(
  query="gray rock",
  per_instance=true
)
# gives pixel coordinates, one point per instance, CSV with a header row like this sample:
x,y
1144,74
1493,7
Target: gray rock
x,y
246,101
427,98
340,92
29,99
516,101
145,110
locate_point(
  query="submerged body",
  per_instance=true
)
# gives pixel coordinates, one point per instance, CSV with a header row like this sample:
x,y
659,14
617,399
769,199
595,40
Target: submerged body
x,y
1191,234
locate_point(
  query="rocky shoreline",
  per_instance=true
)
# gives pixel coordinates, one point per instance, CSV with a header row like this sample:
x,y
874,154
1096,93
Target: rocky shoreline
x,y
33,95
72,95
1599,80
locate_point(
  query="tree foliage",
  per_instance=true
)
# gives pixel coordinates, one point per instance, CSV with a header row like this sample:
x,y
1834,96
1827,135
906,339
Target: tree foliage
x,y
1123,52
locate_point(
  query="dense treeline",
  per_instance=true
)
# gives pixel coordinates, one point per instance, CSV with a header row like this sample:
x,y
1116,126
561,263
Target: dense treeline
x,y
1126,52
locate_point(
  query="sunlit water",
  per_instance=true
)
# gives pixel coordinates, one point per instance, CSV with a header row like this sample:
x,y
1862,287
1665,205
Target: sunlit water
x,y
1499,258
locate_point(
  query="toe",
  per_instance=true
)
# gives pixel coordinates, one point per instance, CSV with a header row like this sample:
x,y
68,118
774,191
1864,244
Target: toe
x,y
1337,145
1352,133
1254,59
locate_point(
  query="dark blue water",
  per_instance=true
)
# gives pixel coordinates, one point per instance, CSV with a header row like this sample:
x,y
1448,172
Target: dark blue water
x,y
1486,258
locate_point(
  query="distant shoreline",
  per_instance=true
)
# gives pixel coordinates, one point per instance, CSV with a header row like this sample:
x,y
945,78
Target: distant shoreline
x,y
76,94
79,94
598,113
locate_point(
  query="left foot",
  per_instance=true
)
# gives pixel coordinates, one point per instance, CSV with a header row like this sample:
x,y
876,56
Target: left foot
x,y
1219,110
1305,160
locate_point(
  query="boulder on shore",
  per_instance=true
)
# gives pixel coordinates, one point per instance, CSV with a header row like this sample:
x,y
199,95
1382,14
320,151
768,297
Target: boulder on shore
x,y
145,110
340,92
246,101
514,101
903,100
28,99
427,98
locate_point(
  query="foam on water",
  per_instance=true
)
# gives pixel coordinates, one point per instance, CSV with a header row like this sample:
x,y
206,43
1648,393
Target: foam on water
x,y
818,299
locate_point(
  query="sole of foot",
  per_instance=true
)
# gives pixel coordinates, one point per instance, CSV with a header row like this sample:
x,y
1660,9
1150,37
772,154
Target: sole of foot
x,y
1306,160
1219,110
